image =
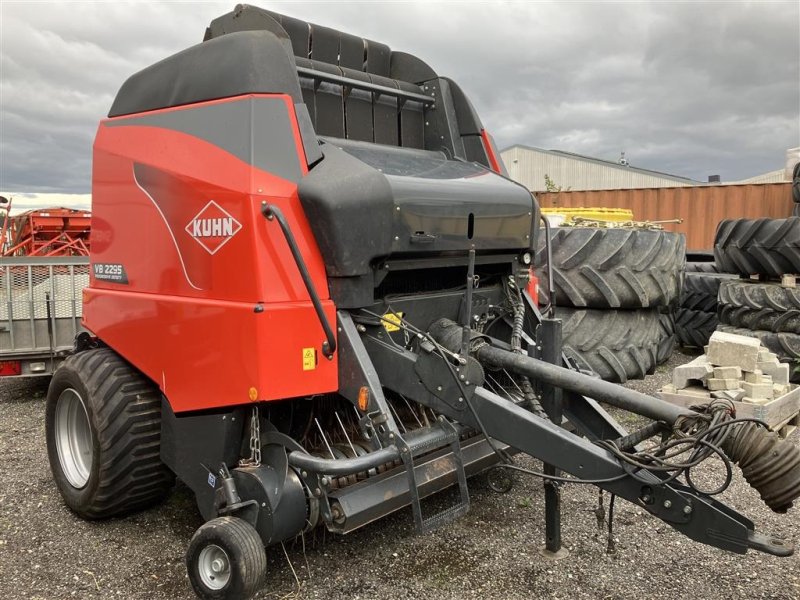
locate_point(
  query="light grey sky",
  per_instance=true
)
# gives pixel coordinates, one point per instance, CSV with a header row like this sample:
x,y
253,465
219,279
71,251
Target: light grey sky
x,y
690,88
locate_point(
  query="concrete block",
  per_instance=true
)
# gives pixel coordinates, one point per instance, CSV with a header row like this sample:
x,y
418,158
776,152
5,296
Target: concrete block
x,y
758,390
715,384
766,379
705,349
696,390
778,390
693,371
735,395
753,376
731,350
750,400
779,373
727,373
765,355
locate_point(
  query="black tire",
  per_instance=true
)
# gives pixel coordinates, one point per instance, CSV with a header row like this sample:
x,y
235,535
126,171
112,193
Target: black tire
x,y
769,247
796,184
615,268
122,410
694,327
618,345
758,295
700,291
757,305
785,345
701,267
668,339
765,319
243,553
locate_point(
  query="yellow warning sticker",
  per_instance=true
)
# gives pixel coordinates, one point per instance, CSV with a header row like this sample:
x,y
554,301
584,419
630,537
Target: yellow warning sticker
x,y
392,321
309,359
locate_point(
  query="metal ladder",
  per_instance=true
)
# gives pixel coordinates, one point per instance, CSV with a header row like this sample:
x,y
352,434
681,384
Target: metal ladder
x,y
449,435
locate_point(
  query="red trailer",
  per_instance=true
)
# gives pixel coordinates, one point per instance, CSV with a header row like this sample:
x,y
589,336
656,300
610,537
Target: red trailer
x,y
46,232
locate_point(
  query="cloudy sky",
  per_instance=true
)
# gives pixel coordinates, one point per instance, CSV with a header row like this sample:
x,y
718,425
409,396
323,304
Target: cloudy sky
x,y
690,88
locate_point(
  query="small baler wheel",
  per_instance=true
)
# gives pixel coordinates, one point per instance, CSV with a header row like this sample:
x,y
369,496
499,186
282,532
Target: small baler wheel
x,y
226,560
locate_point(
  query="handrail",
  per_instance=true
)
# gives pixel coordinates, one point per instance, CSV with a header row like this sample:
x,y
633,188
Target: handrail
x,y
364,85
273,212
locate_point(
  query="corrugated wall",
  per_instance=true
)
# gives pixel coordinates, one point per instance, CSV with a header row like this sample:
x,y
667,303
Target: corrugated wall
x,y
529,166
701,208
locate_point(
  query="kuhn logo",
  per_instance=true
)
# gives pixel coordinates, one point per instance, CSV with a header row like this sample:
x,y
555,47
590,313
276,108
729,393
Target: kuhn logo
x,y
213,227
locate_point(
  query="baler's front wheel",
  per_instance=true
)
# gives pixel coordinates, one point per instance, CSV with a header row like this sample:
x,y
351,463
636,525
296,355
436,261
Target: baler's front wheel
x,y
226,560
103,431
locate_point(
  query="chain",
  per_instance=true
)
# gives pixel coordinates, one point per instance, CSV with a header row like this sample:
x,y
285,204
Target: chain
x,y
255,441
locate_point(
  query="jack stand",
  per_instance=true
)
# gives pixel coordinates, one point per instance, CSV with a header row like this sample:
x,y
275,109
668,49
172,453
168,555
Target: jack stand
x,y
549,340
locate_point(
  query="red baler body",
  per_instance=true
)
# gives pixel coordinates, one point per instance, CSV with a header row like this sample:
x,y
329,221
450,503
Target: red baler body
x,y
213,308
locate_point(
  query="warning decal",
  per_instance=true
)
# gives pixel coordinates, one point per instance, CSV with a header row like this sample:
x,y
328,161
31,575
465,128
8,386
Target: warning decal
x,y
391,321
309,359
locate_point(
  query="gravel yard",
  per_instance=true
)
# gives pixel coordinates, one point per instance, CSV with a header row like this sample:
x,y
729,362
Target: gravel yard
x,y
46,552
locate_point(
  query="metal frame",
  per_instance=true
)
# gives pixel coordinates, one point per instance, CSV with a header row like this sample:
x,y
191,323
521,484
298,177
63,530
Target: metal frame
x,y
54,345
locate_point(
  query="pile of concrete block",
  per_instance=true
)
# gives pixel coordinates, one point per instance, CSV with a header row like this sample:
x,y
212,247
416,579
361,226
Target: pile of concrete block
x,y
734,367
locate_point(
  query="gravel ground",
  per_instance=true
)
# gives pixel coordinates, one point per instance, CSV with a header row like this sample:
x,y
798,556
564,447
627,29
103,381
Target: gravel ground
x,y
46,552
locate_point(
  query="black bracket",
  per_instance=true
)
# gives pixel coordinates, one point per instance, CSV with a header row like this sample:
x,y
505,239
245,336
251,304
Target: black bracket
x,y
271,212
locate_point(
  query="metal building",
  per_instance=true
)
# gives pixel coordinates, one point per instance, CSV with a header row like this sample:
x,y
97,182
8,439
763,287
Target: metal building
x,y
575,172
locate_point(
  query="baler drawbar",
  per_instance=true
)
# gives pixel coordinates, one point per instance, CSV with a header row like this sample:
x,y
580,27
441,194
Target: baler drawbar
x,y
310,302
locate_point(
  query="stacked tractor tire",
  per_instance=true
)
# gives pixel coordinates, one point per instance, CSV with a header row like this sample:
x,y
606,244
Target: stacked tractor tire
x,y
764,302
696,314
614,289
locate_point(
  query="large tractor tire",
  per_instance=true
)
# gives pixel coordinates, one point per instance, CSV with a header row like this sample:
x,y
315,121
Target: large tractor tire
x,y
615,268
618,345
760,306
696,317
700,291
701,267
103,431
667,338
694,327
796,184
769,247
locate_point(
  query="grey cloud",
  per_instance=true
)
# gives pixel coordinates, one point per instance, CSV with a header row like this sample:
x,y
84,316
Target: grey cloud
x,y
689,88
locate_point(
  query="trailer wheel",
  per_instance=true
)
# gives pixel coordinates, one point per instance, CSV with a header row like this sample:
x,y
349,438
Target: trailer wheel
x,y
614,268
103,430
768,247
226,560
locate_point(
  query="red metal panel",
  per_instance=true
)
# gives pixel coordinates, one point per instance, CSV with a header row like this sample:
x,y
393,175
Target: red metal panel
x,y
213,308
700,207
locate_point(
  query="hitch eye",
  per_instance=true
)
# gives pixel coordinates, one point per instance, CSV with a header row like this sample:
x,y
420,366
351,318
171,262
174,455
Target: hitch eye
x,y
525,258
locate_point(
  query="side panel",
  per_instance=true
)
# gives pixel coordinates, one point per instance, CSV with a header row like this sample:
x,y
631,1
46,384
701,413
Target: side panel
x,y
189,281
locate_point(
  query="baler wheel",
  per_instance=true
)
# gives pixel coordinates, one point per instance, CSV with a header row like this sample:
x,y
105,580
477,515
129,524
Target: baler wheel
x,y
500,481
226,560
103,431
